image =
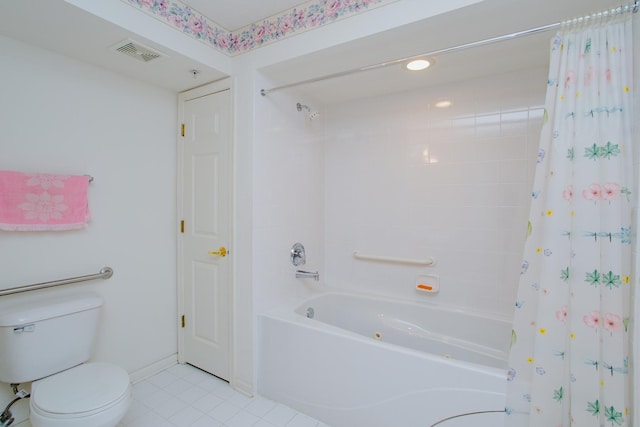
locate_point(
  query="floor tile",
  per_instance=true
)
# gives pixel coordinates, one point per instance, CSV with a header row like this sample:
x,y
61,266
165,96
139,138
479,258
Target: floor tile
x,y
184,396
242,419
186,417
259,406
207,421
301,420
224,412
207,402
280,415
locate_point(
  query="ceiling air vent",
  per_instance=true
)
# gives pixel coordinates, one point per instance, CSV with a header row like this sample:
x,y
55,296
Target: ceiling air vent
x,y
137,51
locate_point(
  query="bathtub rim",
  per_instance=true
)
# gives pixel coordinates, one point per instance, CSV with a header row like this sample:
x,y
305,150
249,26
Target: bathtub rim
x,y
386,298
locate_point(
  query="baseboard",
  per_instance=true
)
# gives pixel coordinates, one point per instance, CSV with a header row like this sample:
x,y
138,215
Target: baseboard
x,y
154,368
243,387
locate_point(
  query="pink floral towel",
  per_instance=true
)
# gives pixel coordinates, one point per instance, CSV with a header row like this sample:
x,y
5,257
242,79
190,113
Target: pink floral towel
x,y
36,202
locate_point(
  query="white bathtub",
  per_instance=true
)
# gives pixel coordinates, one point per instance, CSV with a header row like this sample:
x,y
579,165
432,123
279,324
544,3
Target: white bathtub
x,y
375,362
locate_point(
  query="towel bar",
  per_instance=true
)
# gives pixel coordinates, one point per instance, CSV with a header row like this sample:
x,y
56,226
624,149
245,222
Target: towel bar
x,y
105,273
428,262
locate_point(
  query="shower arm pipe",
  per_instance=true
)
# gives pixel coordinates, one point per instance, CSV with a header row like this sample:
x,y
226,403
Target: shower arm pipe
x,y
105,273
632,7
366,257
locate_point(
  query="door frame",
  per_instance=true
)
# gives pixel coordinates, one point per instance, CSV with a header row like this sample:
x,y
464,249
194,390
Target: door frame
x,y
204,90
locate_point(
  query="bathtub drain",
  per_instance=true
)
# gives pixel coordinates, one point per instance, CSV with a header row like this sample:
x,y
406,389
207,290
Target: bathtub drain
x,y
310,312
378,335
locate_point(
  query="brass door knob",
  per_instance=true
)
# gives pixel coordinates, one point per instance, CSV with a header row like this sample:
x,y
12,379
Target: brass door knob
x,y
222,252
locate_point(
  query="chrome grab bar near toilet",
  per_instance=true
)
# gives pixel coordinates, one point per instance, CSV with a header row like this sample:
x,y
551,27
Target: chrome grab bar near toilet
x,y
105,273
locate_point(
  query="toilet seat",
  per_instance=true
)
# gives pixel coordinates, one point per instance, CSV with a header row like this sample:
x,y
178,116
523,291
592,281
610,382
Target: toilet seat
x,y
91,390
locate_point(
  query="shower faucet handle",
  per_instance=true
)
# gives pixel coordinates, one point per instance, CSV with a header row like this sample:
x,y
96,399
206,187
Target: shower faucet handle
x,y
298,255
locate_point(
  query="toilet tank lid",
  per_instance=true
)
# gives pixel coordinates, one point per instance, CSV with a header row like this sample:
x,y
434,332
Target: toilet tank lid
x,y
29,312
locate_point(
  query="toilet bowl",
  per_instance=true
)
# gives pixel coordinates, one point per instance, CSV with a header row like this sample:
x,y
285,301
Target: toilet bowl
x,y
88,395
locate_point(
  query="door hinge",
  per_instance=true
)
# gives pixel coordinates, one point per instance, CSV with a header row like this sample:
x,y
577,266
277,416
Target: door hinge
x,y
182,129
182,226
182,321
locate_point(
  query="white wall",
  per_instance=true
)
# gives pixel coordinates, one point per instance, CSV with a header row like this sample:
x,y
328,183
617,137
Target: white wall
x,y
58,115
406,179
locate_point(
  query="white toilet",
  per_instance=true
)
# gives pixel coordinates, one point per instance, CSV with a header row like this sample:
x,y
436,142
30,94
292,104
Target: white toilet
x,y
47,342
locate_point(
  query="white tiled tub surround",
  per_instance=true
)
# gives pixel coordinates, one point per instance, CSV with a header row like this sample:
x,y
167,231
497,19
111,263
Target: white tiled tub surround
x,y
406,179
288,197
183,396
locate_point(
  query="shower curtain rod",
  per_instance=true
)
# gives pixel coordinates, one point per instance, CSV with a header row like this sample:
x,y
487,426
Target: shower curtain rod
x,y
631,7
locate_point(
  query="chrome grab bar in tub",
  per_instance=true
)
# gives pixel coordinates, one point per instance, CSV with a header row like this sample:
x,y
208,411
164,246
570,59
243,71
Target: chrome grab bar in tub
x,y
429,262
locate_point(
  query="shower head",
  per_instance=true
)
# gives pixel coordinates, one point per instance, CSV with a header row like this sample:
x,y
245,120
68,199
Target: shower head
x,y
309,112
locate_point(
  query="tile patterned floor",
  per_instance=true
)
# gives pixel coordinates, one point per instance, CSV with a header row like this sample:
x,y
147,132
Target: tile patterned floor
x,y
183,396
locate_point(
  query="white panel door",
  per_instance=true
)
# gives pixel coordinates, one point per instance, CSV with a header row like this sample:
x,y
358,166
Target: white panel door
x,y
207,229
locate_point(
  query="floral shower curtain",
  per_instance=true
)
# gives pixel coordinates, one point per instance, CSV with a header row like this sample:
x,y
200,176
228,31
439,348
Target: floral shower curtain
x,y
569,360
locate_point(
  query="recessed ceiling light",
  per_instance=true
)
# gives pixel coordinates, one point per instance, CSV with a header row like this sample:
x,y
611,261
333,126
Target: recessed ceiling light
x,y
418,64
445,103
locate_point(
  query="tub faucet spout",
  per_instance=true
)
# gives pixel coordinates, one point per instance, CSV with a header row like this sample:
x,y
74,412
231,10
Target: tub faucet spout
x,y
301,274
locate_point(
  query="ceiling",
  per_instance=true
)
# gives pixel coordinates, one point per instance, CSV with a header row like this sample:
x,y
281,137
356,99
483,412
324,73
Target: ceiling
x,y
61,27
68,30
481,21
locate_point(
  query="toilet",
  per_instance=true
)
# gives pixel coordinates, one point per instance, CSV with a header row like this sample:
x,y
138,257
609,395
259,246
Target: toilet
x,y
48,343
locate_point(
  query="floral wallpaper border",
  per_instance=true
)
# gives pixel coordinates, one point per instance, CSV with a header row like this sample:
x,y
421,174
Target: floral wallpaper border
x,y
307,16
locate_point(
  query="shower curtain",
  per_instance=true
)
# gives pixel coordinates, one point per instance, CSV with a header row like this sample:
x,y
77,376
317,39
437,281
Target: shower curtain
x,y
570,345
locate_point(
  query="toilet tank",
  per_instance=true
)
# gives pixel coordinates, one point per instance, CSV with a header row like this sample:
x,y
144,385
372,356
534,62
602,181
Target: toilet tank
x,y
38,339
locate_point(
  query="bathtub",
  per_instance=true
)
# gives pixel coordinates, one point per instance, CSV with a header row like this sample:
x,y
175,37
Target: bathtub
x,y
352,360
